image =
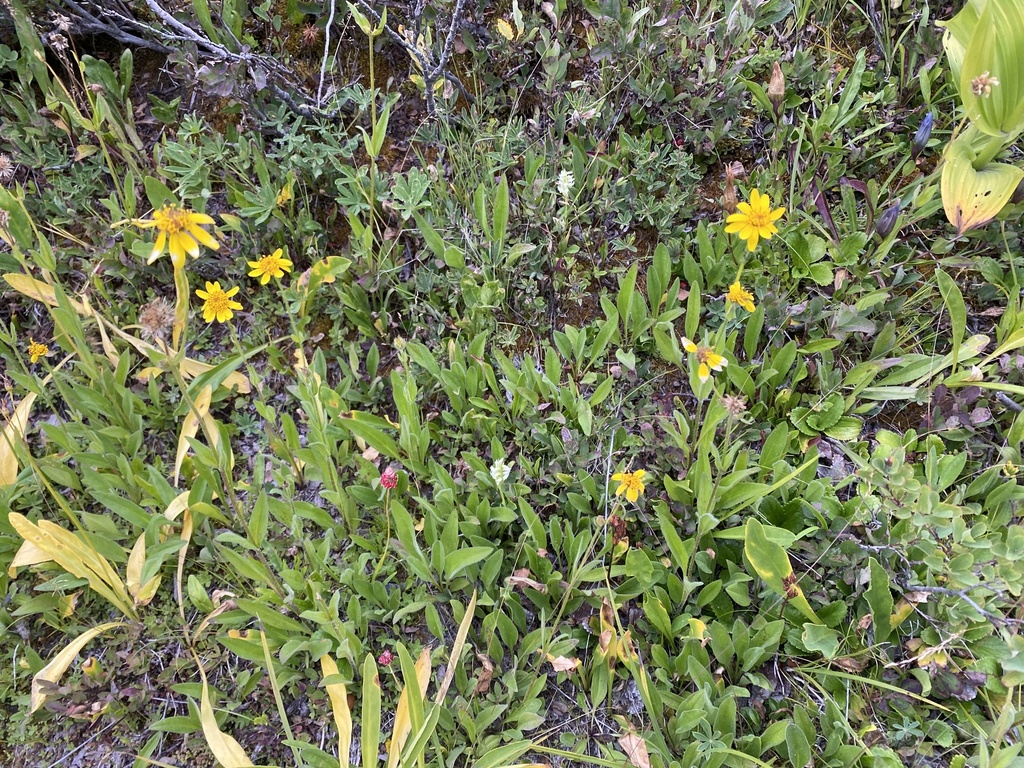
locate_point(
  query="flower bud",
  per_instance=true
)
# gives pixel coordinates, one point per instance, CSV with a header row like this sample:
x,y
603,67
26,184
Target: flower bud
x,y
887,221
924,132
389,479
777,89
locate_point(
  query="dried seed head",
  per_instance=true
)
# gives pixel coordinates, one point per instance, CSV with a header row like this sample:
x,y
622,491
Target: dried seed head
x,y
729,198
310,35
6,168
735,405
156,319
777,88
58,42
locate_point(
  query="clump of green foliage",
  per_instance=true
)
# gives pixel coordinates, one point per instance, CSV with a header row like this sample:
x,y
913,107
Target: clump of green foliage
x,y
540,385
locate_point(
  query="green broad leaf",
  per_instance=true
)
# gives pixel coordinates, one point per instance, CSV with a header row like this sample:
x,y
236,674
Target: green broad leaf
x,y
879,599
680,550
180,724
657,614
197,595
971,197
272,619
246,566
821,274
201,8
847,428
798,746
771,563
362,426
995,48
499,216
370,741
821,639
461,559
380,130
158,193
638,565
503,755
624,301
954,301
259,519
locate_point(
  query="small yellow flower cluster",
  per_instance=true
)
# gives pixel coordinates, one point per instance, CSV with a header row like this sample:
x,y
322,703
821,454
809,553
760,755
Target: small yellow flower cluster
x,y
180,232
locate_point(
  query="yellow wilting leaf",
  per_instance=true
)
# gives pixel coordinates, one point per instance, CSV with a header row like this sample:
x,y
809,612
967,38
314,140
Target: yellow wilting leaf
x,y
53,671
191,368
403,720
76,557
133,572
338,695
971,197
14,432
142,593
40,291
190,426
505,30
229,753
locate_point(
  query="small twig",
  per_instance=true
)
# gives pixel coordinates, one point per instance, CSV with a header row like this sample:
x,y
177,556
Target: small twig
x,y
963,595
327,53
86,22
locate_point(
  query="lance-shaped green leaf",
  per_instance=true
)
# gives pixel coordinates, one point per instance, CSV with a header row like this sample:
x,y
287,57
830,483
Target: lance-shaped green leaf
x,y
771,563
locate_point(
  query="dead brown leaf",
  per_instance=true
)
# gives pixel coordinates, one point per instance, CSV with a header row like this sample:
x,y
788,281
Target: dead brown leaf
x,y
521,578
483,683
636,750
563,663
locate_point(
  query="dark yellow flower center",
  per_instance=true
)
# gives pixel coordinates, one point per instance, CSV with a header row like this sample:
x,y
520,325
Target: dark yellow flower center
x,y
171,219
218,302
632,482
268,265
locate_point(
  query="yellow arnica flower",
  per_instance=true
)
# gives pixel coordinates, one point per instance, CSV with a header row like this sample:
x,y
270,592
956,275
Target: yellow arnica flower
x,y
37,350
739,295
180,231
755,220
218,304
630,483
707,357
274,265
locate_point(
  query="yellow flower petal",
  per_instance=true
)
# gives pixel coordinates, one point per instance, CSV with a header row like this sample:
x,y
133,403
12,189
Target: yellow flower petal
x,y
203,237
703,373
688,345
158,247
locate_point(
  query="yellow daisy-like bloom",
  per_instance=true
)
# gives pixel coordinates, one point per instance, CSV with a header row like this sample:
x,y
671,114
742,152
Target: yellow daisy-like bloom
x,y
739,295
37,350
218,304
755,220
707,357
180,231
630,483
274,265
